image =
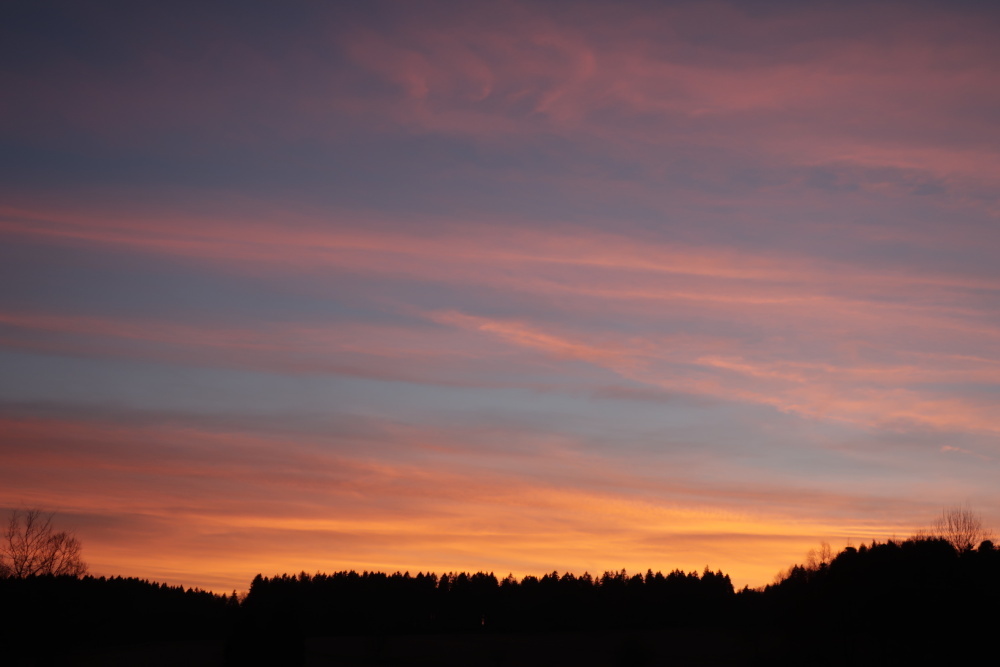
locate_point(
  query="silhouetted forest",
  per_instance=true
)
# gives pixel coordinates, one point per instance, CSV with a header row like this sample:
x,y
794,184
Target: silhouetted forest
x,y
885,603
59,617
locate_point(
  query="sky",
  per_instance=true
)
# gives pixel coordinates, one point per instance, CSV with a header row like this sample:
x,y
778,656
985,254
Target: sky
x,y
512,287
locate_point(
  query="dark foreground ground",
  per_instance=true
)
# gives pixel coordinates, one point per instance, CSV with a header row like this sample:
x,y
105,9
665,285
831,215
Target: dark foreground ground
x,y
625,649
676,647
917,602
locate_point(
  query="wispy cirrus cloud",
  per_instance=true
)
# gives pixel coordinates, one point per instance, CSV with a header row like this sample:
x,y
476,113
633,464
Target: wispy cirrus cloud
x,y
724,333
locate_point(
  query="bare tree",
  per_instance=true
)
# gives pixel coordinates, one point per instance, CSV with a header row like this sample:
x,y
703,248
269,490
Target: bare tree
x,y
962,527
31,546
815,559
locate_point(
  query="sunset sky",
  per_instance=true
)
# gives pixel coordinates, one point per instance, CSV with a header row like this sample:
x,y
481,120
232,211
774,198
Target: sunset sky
x,y
514,287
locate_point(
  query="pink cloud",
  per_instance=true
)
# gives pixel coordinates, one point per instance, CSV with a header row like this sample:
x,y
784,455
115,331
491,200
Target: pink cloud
x,y
827,96
808,86
809,316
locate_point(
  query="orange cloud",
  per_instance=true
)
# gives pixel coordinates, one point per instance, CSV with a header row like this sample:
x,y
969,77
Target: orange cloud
x,y
212,508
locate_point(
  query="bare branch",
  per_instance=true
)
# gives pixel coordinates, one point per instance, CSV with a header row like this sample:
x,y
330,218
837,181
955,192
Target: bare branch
x,y
31,547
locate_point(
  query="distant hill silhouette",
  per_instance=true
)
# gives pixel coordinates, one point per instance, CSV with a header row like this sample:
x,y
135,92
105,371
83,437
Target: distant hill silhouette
x,y
898,602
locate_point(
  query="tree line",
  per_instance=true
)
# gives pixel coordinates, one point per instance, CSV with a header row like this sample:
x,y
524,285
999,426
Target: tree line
x,y
885,602
352,602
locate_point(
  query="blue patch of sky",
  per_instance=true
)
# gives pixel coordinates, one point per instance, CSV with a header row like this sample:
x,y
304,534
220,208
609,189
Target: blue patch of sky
x,y
626,428
106,282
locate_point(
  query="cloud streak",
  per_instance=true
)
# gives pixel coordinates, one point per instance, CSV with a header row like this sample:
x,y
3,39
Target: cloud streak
x,y
724,331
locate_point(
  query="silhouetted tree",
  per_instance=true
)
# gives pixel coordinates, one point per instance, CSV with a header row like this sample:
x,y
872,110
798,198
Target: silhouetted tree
x,y
31,546
962,527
